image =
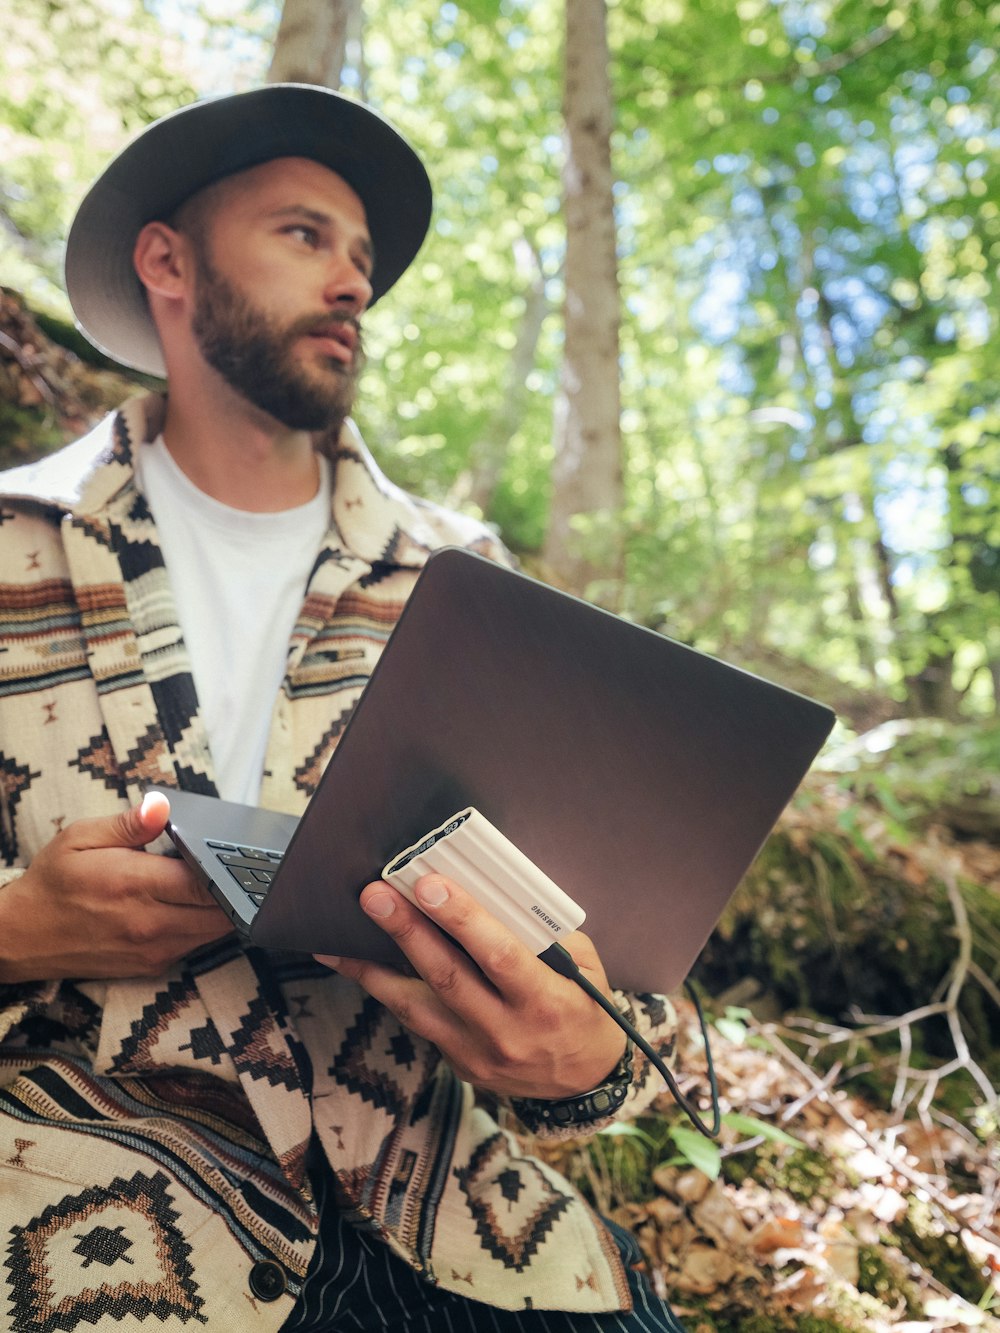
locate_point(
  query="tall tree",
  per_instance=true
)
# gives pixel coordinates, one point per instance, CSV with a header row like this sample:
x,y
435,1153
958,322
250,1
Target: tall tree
x,y
583,545
312,40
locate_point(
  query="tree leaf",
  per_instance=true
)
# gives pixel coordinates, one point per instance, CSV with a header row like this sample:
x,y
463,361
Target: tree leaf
x,y
698,1151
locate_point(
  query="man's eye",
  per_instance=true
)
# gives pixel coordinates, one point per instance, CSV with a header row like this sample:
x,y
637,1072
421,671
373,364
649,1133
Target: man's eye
x,y
308,235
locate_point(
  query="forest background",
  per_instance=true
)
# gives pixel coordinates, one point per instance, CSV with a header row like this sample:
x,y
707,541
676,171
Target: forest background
x,y
706,325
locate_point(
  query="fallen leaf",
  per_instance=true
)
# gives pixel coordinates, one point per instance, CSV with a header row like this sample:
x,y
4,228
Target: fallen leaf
x,y
704,1268
690,1186
719,1218
776,1233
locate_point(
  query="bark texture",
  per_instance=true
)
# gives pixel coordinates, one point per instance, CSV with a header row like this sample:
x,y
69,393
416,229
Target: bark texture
x,y
311,45
584,541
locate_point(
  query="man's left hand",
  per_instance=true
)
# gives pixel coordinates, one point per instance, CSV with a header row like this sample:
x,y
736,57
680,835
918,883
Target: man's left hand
x,y
503,1019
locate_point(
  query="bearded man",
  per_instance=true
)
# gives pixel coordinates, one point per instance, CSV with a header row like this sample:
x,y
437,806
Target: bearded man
x,y
195,594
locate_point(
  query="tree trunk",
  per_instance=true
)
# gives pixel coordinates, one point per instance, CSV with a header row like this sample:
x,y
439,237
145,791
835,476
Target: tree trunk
x,y
583,546
311,45
479,481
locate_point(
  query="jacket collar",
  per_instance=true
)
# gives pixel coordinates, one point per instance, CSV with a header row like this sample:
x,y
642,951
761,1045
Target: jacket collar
x,y
374,519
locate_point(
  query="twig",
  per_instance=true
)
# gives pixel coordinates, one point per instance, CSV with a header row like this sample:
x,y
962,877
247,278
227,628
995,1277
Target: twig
x,y
987,982
27,364
822,1086
835,1102
908,1078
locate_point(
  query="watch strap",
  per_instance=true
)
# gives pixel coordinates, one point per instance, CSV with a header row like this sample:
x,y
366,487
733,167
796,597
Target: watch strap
x,y
537,1113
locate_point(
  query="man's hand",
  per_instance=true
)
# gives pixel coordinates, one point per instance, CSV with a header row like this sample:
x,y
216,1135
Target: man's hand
x,y
504,1020
93,904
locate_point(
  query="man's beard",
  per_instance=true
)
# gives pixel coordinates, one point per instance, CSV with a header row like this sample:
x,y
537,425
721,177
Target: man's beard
x,y
253,353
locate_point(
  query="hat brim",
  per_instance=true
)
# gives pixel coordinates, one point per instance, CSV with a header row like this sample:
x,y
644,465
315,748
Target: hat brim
x,y
180,154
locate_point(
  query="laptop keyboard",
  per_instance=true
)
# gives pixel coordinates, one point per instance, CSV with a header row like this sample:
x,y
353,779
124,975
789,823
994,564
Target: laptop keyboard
x,y
253,868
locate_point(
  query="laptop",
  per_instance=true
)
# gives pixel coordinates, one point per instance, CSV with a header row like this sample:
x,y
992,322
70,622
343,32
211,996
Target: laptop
x,y
640,775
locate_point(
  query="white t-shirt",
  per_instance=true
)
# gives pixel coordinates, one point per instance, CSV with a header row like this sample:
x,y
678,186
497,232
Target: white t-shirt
x,y
238,580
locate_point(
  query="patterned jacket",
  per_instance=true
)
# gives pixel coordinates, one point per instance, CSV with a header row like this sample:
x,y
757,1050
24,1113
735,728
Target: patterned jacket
x,y
153,1133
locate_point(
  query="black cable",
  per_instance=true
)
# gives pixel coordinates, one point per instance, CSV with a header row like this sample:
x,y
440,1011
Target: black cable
x,y
561,961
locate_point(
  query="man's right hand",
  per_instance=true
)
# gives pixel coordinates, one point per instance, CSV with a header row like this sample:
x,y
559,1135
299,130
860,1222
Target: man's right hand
x,y
93,904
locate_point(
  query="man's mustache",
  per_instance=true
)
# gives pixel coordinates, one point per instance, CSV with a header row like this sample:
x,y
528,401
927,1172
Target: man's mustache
x,y
317,324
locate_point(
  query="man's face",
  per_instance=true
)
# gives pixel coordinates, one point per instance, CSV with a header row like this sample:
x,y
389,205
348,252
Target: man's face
x,y
283,262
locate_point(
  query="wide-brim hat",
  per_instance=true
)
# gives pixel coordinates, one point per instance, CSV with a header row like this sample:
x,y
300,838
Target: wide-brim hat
x,y
181,153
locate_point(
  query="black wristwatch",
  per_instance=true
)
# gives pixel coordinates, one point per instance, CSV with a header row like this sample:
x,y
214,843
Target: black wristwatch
x,y
537,1114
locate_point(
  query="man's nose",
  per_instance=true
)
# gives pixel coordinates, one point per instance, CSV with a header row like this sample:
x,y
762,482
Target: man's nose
x,y
347,287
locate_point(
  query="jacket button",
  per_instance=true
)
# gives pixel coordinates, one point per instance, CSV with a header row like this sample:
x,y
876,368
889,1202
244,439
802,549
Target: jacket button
x,y
267,1280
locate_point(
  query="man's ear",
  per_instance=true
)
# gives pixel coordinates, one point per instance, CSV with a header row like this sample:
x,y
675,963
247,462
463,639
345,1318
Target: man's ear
x,y
163,260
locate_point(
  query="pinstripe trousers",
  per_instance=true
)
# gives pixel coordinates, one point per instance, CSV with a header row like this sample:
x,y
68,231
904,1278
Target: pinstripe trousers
x,y
357,1285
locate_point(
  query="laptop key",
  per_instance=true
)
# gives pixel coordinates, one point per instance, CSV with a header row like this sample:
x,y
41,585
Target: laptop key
x,y
238,859
244,878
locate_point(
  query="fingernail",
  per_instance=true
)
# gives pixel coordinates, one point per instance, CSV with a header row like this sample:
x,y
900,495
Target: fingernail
x,y
432,892
150,799
328,960
380,904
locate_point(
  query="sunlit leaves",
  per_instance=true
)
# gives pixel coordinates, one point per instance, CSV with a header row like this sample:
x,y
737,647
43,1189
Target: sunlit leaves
x,y
808,213
75,79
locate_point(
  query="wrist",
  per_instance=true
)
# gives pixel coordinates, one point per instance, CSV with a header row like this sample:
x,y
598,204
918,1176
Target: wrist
x,y
583,1109
13,914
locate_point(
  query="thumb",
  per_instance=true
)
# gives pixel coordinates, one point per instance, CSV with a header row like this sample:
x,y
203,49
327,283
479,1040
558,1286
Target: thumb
x,y
142,823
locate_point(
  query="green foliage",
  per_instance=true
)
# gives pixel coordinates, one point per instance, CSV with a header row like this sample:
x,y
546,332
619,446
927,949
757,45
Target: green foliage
x,y
712,1321
705,1155
626,1154
25,433
807,196
808,227
75,79
913,769
694,1149
804,1174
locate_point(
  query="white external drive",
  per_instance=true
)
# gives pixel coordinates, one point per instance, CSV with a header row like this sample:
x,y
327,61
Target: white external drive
x,y
470,850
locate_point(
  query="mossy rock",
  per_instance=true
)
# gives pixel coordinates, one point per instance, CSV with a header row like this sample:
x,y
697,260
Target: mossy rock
x,y
803,1173
739,1321
26,433
940,1252
842,911
824,932
48,394
886,1281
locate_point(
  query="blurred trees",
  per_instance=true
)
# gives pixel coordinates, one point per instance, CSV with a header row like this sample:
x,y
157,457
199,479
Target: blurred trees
x,y
808,234
75,79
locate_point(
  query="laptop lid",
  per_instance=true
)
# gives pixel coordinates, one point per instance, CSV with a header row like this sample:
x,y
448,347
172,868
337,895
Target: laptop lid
x,y
641,775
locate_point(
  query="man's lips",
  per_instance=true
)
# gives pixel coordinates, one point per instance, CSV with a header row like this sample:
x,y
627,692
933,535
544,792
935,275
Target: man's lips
x,y
339,340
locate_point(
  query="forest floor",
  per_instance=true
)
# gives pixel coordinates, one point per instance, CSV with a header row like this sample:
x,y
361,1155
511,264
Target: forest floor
x,y
847,1192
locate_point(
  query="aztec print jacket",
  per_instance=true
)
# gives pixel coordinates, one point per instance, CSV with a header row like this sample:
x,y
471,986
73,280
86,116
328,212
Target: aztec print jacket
x,y
154,1133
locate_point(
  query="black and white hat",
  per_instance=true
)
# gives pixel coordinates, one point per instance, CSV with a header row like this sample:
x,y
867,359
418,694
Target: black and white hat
x,y
188,149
